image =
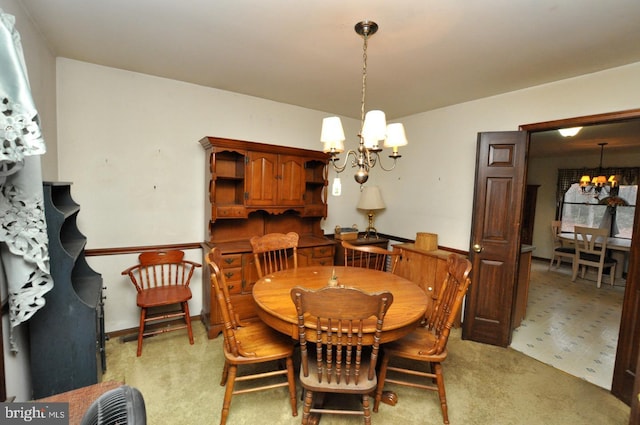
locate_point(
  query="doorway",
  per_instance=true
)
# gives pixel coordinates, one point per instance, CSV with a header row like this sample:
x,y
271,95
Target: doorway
x,y
629,335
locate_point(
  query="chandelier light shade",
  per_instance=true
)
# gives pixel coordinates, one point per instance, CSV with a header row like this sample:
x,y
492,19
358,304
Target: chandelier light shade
x,y
374,135
371,200
396,137
569,132
374,129
599,182
332,135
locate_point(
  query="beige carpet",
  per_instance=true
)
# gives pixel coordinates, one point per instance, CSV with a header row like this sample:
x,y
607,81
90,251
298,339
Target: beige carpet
x,y
485,385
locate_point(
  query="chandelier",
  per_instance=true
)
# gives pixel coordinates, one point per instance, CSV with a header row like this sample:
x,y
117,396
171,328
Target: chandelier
x,y
599,182
374,130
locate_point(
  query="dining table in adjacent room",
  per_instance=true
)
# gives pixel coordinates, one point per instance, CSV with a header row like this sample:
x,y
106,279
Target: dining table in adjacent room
x,y
619,247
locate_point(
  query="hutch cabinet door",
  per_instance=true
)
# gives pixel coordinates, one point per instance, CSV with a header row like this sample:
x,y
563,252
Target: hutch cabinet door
x,y
260,179
291,180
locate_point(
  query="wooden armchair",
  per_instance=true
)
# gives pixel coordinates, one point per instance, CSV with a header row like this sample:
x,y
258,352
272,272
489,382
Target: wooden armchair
x,y
429,344
334,317
274,252
368,256
249,344
162,279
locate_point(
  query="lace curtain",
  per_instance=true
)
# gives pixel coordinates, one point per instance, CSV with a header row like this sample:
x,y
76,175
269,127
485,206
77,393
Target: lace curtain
x,y
23,231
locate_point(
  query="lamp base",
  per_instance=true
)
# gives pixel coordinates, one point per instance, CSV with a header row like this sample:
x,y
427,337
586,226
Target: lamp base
x,y
370,229
369,232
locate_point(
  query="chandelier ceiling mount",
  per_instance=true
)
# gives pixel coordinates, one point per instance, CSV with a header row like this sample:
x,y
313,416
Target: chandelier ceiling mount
x,y
374,131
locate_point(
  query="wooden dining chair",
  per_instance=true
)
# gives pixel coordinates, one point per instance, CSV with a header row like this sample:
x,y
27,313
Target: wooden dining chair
x,y
161,279
332,319
560,251
274,252
591,251
249,343
369,256
428,344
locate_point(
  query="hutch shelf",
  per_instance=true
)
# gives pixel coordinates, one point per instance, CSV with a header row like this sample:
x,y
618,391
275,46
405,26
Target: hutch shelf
x,y
254,189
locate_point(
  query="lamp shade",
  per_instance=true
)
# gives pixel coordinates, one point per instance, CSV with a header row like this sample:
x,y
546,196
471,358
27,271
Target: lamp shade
x,y
395,136
332,134
599,181
370,199
374,129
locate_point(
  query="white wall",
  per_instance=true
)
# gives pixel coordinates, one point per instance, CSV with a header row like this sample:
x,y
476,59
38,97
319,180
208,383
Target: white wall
x,y
42,70
129,143
131,150
432,190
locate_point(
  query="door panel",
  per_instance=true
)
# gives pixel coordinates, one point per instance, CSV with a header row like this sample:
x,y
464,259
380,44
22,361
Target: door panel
x,y
495,231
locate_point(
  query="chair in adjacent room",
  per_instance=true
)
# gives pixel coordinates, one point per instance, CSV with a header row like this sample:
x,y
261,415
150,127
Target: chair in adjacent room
x,y
369,256
427,344
560,251
591,251
162,281
274,252
331,321
247,344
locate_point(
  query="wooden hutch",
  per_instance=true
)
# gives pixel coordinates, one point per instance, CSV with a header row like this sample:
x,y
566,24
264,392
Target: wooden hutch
x,y
255,189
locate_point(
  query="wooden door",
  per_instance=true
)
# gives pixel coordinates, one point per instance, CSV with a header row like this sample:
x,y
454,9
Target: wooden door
x,y
625,374
260,179
291,180
495,236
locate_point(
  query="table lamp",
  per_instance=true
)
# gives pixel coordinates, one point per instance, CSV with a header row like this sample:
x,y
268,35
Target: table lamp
x,y
370,200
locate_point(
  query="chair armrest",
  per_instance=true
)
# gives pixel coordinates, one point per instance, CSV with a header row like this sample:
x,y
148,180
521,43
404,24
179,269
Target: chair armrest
x,y
130,269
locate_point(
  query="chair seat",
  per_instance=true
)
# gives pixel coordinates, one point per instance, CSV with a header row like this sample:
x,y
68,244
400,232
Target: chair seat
x,y
565,249
363,386
165,295
416,346
261,343
596,258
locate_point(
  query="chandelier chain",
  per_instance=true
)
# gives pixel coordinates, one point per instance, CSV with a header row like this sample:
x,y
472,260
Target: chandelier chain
x,y
364,80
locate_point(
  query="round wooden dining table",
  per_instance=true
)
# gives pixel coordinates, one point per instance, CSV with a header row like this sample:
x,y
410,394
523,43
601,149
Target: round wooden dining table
x,y
275,307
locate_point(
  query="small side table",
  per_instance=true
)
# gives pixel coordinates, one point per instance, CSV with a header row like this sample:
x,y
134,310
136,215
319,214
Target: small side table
x,y
379,242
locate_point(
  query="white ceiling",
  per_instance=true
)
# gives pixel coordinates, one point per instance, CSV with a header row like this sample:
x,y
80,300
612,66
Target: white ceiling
x,y
426,54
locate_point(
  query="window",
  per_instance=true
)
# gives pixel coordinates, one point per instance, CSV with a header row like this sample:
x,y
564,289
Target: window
x,y
584,209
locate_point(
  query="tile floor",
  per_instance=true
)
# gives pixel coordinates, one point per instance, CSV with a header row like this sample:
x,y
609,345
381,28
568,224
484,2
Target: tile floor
x,y
572,326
